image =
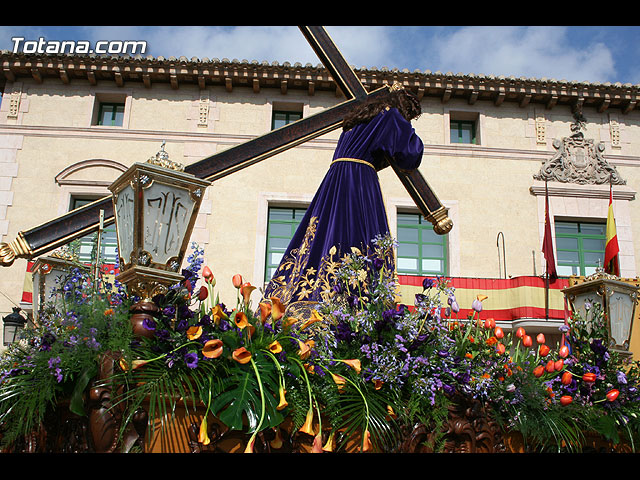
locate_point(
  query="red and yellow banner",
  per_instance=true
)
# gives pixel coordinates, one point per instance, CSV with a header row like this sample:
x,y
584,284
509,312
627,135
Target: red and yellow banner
x,y
508,299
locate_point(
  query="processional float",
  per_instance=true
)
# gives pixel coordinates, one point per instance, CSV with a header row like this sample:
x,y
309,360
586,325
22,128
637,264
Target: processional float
x,y
84,220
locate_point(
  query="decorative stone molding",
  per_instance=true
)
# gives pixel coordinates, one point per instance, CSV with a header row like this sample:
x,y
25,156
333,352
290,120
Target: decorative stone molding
x,y
579,160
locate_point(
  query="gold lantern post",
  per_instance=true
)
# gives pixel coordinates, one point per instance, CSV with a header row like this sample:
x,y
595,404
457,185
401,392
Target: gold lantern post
x,y
155,208
618,300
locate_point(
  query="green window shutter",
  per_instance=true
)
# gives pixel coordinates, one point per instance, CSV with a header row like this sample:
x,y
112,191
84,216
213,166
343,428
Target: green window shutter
x,y
420,250
579,247
282,225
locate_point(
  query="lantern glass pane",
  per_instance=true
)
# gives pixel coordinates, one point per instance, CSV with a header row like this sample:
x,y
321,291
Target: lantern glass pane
x,y
620,312
167,213
125,222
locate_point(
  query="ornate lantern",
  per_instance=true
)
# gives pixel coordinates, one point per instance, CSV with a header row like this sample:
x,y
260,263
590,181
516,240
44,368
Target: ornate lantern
x,y
618,300
48,275
155,207
13,323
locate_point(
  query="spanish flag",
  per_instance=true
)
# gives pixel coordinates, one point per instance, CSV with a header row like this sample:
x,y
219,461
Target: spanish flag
x,y
611,250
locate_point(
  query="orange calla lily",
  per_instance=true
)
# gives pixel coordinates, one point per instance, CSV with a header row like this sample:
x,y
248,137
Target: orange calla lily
x,y
289,321
355,364
283,401
245,290
304,350
315,317
193,333
241,320
328,446
241,355
307,427
391,413
212,348
339,380
135,364
377,384
265,311
275,347
277,441
277,308
482,297
366,441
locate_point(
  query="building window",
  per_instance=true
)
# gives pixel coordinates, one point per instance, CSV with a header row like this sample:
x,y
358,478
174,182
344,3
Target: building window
x,y
420,250
280,118
111,114
579,247
282,224
463,131
87,251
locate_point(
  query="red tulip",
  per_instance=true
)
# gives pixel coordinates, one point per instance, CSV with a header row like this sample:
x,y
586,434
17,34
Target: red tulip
x,y
203,293
612,394
237,280
527,341
589,377
566,400
550,367
538,371
489,323
500,348
207,274
564,351
544,350
520,332
540,338
558,365
498,333
566,378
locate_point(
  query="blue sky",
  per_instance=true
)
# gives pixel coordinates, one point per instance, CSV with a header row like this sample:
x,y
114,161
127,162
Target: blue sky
x,y
596,54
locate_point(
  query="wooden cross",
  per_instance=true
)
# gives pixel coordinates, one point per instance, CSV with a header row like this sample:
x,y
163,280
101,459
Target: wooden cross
x,y
59,231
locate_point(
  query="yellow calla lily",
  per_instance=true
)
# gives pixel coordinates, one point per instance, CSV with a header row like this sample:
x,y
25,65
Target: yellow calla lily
x,y
328,446
315,317
283,401
339,381
275,347
193,333
249,448
203,436
217,313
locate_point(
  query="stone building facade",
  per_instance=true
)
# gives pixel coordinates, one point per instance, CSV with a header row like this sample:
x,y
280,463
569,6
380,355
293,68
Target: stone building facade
x,y
70,125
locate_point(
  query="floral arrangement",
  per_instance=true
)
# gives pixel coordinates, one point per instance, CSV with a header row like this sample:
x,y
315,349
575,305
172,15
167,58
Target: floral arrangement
x,y
361,370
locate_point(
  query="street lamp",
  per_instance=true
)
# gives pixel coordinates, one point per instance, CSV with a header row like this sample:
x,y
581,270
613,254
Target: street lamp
x,y
13,324
618,300
155,208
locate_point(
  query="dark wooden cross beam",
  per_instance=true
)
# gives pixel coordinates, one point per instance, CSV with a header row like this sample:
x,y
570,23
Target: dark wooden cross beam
x,y
59,231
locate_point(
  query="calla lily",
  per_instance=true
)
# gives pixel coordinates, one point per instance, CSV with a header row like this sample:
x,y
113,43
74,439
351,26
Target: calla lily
x,y
366,441
217,313
249,447
305,349
377,384
135,364
307,427
328,446
265,311
283,401
203,436
315,317
355,364
317,443
237,280
193,333
275,347
241,320
289,321
277,441
213,348
246,290
277,308
339,381
241,355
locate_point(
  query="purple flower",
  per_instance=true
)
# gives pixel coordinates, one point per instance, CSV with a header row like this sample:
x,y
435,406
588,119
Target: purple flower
x,y
476,305
455,308
427,283
149,323
191,359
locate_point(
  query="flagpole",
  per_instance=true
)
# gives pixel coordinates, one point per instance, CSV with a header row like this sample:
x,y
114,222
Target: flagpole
x,y
546,280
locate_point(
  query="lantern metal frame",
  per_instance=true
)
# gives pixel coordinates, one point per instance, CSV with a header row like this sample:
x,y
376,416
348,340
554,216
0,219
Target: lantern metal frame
x,y
11,320
603,288
59,263
143,274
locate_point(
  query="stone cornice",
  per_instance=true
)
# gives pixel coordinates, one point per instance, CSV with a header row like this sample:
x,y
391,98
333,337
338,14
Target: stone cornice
x,y
443,87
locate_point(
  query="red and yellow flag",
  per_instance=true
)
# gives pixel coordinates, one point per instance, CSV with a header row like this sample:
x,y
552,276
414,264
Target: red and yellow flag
x,y
611,250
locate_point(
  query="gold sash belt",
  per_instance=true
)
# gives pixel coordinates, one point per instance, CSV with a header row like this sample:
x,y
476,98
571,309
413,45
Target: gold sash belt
x,y
354,160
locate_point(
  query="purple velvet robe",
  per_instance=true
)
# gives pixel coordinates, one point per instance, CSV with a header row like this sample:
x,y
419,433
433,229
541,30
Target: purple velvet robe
x,y
347,210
